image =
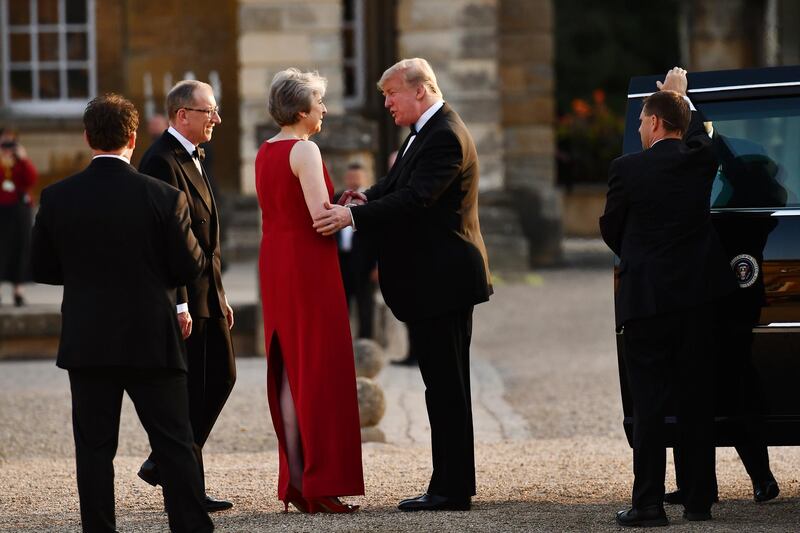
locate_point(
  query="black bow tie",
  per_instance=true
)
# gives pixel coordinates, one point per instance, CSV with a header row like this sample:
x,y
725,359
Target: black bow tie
x,y
199,153
413,129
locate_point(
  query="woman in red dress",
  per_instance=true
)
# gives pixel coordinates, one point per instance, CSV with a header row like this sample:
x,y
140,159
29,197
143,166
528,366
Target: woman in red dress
x,y
311,380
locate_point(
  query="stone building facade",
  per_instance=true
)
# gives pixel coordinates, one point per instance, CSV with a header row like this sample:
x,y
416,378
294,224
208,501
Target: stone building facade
x,y
494,62
136,48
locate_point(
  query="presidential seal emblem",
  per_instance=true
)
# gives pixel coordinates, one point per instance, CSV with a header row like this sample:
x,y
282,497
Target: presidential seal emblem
x,y
746,269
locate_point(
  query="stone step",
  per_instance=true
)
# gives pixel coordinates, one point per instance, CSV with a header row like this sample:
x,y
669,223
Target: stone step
x,y
33,331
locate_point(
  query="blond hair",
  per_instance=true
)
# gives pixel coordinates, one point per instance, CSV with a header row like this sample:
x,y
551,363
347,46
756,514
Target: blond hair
x,y
416,71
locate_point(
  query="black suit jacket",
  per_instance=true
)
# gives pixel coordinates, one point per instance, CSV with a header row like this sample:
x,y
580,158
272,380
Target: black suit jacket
x,y
357,263
120,243
423,220
657,220
168,160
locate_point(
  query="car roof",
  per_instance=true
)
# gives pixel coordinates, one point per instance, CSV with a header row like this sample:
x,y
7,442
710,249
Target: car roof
x,y
724,80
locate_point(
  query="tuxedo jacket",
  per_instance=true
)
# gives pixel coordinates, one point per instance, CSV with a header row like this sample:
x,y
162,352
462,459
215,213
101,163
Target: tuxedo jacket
x,y
168,160
657,220
422,219
120,243
358,263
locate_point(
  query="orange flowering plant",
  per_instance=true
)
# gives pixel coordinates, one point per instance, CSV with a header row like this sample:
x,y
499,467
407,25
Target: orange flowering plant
x,y
589,138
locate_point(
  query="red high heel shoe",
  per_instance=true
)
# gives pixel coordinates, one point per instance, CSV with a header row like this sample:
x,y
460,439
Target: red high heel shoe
x,y
294,497
331,505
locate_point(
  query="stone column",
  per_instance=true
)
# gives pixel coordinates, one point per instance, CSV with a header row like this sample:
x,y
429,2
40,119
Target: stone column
x,y
526,59
459,39
724,34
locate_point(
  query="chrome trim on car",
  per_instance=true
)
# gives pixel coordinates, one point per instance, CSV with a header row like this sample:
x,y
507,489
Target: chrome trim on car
x,y
728,88
778,327
773,211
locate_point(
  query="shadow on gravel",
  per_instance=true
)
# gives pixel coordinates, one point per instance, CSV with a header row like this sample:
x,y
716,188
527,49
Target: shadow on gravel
x,y
511,516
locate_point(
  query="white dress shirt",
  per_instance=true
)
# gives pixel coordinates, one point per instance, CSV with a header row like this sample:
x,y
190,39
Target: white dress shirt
x,y
115,156
426,116
188,145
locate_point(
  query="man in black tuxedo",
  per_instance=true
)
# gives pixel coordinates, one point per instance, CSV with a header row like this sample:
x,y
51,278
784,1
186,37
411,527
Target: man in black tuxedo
x,y
203,310
672,269
357,261
423,218
110,234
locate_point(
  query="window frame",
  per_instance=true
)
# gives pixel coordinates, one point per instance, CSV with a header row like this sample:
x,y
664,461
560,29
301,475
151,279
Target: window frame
x,y
359,60
63,106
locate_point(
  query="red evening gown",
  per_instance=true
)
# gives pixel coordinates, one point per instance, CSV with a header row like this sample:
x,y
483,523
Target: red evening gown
x,y
306,325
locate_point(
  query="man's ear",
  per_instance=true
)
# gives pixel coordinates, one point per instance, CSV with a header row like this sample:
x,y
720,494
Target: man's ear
x,y
131,141
421,90
86,138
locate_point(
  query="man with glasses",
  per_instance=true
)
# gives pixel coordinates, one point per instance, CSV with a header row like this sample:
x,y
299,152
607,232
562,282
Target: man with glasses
x,y
203,311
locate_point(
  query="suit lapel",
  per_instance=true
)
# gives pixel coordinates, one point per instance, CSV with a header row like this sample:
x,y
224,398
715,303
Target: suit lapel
x,y
401,162
194,177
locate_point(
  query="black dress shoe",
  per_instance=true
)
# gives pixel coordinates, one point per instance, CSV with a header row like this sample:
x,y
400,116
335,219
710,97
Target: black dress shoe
x,y
149,472
764,491
212,505
432,502
653,516
676,497
408,361
696,516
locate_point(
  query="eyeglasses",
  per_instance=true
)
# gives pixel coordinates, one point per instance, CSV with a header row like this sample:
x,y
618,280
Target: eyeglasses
x,y
209,112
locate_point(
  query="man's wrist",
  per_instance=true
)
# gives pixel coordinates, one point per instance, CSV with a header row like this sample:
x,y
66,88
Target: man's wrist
x,y
352,220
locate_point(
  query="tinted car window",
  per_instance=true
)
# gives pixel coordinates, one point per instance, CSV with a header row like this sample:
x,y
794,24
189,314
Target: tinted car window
x,y
756,142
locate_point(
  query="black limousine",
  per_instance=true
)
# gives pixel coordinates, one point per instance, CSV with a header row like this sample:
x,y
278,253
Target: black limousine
x,y
755,207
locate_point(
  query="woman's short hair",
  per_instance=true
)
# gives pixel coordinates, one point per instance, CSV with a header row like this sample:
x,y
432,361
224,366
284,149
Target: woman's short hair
x,y
109,121
416,71
671,108
182,95
291,92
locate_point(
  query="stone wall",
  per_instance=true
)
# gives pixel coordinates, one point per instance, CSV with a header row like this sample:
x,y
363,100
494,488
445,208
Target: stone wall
x,y
166,39
274,35
526,58
459,39
133,39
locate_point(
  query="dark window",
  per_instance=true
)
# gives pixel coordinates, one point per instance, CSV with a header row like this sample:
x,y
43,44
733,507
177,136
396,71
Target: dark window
x,y
756,141
353,56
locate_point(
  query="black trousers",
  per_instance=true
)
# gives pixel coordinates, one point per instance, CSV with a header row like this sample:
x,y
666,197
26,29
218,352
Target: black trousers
x,y
669,363
754,457
161,401
442,348
212,374
738,388
359,287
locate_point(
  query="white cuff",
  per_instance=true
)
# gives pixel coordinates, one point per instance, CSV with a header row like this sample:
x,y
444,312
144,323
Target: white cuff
x,y
183,308
352,220
691,105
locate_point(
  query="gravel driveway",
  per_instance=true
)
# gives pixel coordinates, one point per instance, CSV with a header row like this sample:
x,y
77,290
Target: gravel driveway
x,y
549,338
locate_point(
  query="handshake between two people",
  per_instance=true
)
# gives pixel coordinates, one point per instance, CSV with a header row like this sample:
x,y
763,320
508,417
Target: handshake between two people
x,y
337,216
